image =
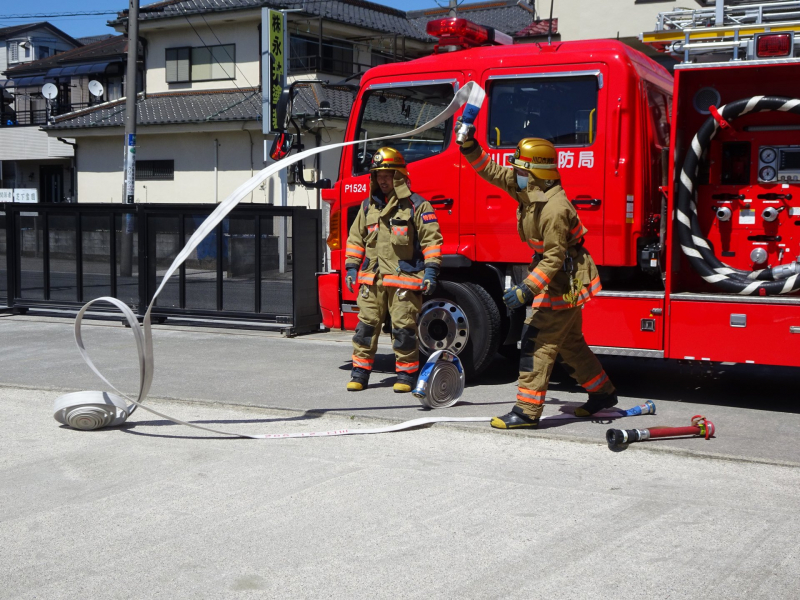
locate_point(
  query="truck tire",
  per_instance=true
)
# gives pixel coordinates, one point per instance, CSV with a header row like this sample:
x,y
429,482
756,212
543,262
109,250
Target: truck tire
x,y
462,318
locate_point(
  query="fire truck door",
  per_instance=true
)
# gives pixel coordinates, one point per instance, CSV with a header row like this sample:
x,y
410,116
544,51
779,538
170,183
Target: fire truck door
x,y
566,105
391,105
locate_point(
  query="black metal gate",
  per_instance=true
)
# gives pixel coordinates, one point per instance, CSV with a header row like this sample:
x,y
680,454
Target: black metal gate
x,y
258,264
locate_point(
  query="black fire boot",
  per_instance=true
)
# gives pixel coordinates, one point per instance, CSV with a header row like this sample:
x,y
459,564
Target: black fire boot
x,y
516,419
405,382
596,403
359,379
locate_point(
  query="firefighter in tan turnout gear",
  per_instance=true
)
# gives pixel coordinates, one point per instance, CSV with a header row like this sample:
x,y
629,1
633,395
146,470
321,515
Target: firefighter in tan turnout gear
x,y
393,254
562,277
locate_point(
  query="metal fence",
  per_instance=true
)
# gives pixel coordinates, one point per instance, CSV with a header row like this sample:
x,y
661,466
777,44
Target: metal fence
x,y
37,115
259,264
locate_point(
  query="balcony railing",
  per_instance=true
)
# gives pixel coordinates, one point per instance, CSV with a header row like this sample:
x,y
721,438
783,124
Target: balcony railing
x,y
37,116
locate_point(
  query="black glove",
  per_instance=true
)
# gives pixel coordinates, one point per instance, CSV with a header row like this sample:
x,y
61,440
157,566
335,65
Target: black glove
x,y
352,277
518,296
429,279
468,133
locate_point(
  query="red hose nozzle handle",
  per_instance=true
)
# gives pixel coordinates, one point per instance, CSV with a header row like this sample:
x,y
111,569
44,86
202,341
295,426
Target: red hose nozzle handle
x,y
706,427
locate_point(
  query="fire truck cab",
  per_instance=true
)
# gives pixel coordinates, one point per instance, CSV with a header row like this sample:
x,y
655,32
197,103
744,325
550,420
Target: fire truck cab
x,y
605,107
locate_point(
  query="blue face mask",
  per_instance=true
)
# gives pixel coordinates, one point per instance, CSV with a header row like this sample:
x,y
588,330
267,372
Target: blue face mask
x,y
522,181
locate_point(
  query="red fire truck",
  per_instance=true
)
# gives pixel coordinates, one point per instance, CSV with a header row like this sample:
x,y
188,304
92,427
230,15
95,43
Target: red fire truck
x,y
610,112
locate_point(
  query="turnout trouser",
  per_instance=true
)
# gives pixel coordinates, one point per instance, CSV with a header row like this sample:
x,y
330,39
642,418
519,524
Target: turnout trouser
x,y
546,335
403,307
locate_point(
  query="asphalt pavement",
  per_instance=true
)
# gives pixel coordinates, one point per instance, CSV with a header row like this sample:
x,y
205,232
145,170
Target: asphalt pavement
x,y
155,509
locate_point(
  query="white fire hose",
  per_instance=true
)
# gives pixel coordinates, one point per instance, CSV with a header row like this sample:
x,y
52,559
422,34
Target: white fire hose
x,y
89,410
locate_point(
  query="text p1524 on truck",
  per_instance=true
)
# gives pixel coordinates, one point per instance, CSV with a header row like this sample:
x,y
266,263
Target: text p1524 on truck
x,y
697,267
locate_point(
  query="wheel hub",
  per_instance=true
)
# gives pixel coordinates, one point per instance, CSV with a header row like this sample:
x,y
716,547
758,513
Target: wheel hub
x,y
442,326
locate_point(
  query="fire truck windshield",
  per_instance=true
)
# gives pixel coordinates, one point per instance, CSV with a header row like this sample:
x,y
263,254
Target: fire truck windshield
x,y
393,110
562,110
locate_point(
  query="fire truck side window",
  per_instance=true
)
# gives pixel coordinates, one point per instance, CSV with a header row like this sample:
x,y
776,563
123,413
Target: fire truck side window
x,y
659,107
562,110
398,109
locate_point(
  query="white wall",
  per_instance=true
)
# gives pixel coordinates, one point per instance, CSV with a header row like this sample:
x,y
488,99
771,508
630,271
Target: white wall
x,y
3,60
594,19
99,161
100,166
30,143
243,33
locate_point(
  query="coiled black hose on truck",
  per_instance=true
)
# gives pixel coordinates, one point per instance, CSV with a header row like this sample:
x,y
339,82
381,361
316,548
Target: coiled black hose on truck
x,y
782,279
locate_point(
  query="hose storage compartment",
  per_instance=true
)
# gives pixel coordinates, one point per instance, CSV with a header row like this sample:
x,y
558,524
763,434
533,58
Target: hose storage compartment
x,y
782,279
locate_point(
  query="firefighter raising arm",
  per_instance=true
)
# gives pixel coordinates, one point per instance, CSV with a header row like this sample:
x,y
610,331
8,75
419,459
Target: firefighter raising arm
x,y
561,278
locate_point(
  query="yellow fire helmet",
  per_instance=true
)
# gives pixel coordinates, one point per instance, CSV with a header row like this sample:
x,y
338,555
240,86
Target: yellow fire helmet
x,y
537,156
388,159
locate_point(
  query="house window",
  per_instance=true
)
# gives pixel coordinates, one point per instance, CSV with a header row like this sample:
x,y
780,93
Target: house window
x,y
44,51
178,64
336,57
213,62
13,52
27,51
155,170
201,64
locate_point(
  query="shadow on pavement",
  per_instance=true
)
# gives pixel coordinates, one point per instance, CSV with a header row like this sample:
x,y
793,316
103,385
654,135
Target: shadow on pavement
x,y
759,387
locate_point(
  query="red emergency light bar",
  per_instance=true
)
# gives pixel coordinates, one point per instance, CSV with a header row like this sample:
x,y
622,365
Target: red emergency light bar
x,y
773,45
455,33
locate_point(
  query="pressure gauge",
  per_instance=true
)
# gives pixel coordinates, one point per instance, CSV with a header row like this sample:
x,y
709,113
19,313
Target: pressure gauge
x,y
768,155
767,174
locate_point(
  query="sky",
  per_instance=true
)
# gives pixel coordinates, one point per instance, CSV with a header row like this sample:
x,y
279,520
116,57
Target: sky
x,y
96,25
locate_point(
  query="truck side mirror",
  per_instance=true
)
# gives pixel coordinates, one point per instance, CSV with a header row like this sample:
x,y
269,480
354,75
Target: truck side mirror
x,y
324,184
281,145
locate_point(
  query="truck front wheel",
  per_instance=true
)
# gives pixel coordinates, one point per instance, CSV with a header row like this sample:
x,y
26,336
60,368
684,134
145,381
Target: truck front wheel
x,y
461,318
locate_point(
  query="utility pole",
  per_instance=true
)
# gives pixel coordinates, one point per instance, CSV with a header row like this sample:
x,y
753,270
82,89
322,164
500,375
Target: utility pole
x,y
453,6
129,165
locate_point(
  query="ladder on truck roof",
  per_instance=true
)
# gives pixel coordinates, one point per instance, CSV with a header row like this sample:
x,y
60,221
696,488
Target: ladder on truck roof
x,y
722,28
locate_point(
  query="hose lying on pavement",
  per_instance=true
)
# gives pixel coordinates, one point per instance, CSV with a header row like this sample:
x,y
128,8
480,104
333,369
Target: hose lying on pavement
x,y
93,409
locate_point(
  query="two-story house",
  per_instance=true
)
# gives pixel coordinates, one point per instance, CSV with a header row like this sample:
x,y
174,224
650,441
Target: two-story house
x,y
24,151
199,117
199,132
71,72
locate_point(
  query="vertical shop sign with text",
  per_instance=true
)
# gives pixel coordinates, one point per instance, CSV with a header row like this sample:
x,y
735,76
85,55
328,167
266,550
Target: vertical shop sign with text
x,y
273,65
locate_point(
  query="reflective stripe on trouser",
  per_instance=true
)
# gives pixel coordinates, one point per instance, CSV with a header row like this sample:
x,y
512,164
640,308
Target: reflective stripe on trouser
x,y
550,335
403,307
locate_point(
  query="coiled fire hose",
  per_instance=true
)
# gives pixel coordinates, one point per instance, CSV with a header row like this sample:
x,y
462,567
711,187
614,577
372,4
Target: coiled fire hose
x,y
782,279
700,427
441,380
93,409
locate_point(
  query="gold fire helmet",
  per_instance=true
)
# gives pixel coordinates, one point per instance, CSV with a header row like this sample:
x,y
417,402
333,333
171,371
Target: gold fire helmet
x,y
388,159
537,156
